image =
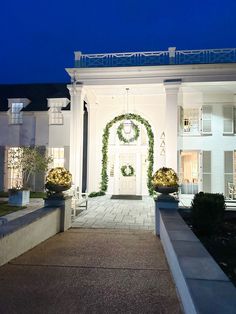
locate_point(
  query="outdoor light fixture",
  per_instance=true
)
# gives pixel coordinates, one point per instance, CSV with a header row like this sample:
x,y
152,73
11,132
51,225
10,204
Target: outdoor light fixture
x,y
127,123
162,135
163,152
163,144
127,126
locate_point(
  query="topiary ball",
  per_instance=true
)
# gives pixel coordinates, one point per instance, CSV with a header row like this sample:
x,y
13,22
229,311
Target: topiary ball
x,y
165,177
58,179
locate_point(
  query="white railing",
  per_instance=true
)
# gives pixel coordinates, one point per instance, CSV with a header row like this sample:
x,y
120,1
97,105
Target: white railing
x,y
148,58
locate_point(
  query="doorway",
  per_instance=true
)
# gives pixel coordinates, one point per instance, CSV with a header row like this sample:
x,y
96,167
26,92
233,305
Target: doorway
x,y
127,184
189,172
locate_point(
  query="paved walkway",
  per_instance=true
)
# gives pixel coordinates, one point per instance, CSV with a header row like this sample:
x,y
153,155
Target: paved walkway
x,y
90,271
104,212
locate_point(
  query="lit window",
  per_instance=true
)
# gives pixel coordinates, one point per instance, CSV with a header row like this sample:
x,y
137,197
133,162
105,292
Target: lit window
x,y
15,114
191,121
58,157
55,115
14,173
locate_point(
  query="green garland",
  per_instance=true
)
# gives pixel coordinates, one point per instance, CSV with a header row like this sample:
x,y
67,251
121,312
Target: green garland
x,y
126,140
105,138
127,171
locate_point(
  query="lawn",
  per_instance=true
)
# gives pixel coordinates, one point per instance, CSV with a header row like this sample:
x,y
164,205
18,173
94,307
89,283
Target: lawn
x,y
32,194
5,208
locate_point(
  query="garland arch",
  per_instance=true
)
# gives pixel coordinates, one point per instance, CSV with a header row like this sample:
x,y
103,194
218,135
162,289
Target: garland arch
x,y
105,138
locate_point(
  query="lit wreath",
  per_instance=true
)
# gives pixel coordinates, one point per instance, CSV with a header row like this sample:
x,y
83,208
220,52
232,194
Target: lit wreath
x,y
127,171
120,130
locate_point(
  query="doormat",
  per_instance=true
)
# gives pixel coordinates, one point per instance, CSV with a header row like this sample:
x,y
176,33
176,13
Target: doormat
x,y
126,197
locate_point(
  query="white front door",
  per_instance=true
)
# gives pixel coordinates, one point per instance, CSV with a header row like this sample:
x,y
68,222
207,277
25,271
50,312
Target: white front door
x,y
127,185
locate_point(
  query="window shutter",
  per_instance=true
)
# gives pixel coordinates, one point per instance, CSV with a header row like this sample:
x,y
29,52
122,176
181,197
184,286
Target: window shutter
x,y
206,119
206,171
228,116
229,169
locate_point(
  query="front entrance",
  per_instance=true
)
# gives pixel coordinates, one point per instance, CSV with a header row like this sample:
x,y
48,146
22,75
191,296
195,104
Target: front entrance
x,y
127,184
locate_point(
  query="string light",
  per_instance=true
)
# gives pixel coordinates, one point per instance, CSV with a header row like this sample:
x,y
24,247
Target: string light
x,y
165,177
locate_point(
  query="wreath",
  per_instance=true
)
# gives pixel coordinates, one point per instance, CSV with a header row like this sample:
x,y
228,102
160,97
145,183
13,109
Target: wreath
x,y
121,137
127,171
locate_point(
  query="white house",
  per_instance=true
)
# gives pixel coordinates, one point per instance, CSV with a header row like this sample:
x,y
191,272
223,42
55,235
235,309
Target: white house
x,y
170,108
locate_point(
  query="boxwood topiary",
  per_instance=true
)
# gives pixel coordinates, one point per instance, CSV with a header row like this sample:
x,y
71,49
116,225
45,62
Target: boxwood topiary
x,y
207,212
95,194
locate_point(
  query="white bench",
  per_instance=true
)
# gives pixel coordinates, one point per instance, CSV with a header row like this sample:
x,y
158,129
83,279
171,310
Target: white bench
x,y
231,191
79,200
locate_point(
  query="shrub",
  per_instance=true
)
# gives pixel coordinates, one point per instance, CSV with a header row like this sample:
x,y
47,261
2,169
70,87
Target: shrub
x,y
94,194
207,212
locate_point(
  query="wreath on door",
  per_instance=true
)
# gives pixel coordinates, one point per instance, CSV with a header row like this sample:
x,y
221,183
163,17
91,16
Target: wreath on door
x,y
127,170
122,138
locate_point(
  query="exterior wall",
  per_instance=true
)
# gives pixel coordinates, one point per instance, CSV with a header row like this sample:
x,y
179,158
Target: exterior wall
x,y
35,130
217,142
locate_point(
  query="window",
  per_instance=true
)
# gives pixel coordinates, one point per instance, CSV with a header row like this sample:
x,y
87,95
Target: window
x,y
58,157
189,172
55,114
189,121
15,114
195,171
190,118
14,175
229,170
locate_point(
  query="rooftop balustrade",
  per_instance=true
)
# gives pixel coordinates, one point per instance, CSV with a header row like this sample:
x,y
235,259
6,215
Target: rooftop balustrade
x,y
152,58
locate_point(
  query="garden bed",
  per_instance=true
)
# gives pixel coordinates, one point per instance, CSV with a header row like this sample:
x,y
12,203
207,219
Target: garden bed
x,y
32,194
222,244
6,209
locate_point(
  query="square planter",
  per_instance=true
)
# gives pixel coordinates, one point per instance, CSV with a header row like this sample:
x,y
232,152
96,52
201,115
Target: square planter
x,y
19,198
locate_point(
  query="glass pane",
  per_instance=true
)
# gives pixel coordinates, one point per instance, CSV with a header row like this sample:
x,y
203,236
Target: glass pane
x,y
229,162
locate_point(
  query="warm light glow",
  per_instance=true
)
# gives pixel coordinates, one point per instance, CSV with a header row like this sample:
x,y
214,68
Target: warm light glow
x,y
59,176
165,177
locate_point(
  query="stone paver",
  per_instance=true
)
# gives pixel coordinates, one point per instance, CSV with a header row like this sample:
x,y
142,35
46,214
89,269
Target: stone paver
x,y
104,212
90,271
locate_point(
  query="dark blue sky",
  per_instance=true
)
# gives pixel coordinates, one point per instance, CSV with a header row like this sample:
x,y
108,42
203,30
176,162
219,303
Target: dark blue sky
x,y
38,38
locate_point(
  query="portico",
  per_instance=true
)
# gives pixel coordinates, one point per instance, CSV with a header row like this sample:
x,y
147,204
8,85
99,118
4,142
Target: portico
x,y
182,99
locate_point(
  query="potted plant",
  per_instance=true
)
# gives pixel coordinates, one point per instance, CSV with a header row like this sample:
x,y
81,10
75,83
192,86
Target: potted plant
x,y
165,181
26,161
58,180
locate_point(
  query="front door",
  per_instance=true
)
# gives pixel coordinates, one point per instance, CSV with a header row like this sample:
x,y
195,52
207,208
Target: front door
x,y
127,184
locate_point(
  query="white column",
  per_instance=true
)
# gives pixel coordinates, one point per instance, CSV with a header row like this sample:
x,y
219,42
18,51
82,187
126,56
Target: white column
x,y
93,175
76,133
171,123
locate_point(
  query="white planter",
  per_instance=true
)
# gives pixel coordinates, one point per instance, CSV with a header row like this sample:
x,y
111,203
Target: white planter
x,y
19,198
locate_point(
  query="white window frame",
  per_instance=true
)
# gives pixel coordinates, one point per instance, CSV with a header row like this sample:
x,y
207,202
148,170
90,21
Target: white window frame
x,y
55,110
56,115
187,120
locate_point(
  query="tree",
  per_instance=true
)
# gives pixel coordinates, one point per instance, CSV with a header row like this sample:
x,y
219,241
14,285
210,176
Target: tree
x,y
27,161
